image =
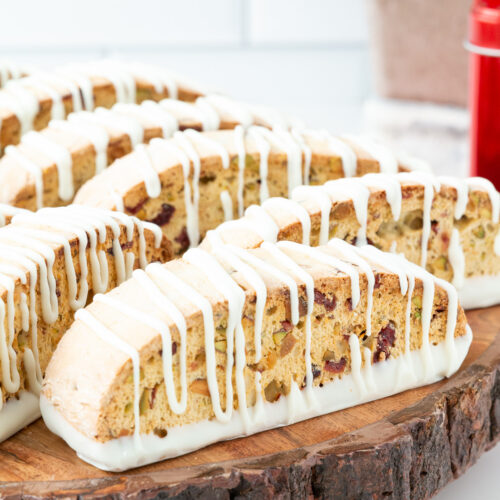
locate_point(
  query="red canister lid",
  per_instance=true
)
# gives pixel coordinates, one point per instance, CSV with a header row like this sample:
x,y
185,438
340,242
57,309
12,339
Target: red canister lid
x,y
484,24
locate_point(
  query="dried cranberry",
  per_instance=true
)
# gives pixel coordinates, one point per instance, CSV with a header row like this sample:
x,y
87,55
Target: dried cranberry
x,y
348,303
286,326
183,240
125,246
370,242
376,285
446,240
302,306
321,298
153,396
335,366
133,210
385,340
164,215
174,348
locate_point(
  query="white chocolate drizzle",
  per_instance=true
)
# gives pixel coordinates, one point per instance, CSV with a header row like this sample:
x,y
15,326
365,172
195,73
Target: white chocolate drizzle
x,y
358,190
58,155
27,248
385,157
10,71
19,95
94,133
282,262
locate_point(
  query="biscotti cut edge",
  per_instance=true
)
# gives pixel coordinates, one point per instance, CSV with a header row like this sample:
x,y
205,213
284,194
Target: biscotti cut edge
x,y
211,177
449,225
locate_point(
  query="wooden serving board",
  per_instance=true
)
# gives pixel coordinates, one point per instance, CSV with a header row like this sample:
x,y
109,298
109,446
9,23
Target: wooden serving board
x,y
406,446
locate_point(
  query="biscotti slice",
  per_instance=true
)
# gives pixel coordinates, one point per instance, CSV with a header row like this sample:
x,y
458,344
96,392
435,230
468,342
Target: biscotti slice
x,y
49,166
51,264
193,182
30,103
232,342
7,212
448,225
9,70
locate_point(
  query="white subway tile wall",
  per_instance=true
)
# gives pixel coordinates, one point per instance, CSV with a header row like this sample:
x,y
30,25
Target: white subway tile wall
x,y
306,57
307,21
102,24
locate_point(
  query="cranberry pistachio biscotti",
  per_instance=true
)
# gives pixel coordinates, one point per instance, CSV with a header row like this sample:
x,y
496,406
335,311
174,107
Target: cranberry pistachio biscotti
x,y
9,70
48,167
450,226
232,342
30,103
194,181
51,264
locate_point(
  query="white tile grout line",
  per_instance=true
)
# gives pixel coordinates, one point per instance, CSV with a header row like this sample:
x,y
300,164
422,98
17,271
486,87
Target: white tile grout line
x,y
245,23
244,45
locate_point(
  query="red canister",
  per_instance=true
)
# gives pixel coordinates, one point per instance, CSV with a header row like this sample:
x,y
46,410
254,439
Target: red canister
x,y
484,97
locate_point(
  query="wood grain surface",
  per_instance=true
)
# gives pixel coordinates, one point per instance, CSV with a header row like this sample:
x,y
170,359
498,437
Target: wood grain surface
x,y
406,446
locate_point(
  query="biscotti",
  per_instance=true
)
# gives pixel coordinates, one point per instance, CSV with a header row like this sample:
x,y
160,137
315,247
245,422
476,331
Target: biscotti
x,y
232,342
193,182
49,166
30,103
450,226
7,212
51,264
10,70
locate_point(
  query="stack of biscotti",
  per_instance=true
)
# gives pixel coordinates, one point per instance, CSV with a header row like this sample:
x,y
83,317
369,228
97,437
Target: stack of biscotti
x,y
231,342
30,103
47,167
450,226
194,181
51,264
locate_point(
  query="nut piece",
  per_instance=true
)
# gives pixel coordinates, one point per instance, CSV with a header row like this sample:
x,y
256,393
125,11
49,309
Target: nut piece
x,y
200,386
480,232
144,401
273,391
287,344
221,346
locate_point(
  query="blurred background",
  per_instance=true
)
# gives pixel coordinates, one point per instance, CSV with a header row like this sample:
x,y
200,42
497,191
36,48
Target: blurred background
x,y
393,68
330,62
